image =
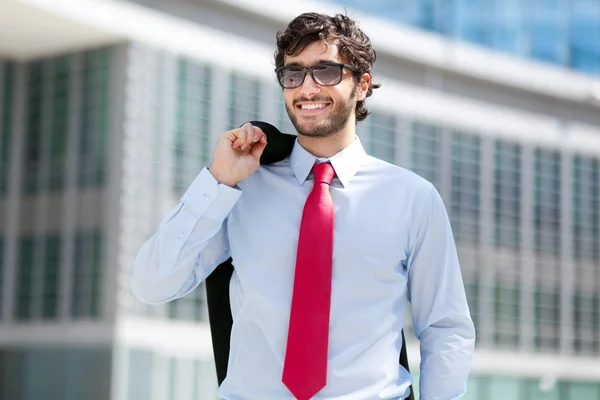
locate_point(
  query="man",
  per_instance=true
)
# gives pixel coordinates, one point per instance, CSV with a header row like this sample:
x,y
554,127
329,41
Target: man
x,y
329,245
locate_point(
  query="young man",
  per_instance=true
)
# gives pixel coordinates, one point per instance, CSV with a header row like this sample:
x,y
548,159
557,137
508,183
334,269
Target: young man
x,y
328,245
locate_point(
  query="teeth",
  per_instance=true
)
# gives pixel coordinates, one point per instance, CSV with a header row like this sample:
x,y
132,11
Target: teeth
x,y
313,106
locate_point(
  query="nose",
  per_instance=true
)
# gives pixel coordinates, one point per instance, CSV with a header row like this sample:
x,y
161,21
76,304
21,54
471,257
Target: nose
x,y
309,87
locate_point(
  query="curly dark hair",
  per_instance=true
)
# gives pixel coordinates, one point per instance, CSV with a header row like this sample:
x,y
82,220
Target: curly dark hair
x,y
353,45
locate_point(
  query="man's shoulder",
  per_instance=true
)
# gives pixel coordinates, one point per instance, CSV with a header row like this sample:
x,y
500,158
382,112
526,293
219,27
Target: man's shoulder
x,y
395,174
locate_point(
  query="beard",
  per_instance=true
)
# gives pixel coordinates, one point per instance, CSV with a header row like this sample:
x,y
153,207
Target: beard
x,y
334,123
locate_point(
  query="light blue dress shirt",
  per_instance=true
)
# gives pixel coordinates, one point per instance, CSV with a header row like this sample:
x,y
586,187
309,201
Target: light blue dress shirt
x,y
392,244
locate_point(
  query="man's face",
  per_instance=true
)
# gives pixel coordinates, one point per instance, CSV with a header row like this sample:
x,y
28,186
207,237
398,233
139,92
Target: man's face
x,y
320,111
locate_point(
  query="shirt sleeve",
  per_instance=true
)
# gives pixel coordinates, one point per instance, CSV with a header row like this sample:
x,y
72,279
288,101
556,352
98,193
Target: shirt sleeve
x,y
188,245
440,312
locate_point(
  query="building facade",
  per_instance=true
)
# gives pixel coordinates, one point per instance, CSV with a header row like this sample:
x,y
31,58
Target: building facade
x,y
561,32
103,128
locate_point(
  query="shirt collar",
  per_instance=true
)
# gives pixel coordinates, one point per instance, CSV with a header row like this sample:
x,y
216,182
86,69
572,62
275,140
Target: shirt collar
x,y
346,163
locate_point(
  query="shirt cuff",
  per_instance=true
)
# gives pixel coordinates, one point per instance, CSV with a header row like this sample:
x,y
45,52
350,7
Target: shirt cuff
x,y
208,198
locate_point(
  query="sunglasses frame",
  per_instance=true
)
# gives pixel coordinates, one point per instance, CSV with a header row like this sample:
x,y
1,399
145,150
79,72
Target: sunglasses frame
x,y
311,71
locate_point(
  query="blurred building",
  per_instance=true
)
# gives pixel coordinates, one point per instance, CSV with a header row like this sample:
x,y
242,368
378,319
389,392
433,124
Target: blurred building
x,y
561,32
108,110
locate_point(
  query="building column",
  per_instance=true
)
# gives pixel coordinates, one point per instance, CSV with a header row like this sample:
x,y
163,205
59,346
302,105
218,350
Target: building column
x,y
566,254
114,279
528,257
220,101
486,261
403,142
3,283
145,147
269,103
69,217
445,167
11,242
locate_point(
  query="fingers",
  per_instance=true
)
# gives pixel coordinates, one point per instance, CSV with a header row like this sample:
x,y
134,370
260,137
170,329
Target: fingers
x,y
247,136
259,147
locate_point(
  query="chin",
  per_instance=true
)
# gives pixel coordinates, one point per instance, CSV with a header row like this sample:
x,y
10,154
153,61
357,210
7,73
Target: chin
x,y
315,130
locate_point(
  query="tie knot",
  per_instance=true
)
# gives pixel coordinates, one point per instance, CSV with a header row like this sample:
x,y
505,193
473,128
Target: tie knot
x,y
323,173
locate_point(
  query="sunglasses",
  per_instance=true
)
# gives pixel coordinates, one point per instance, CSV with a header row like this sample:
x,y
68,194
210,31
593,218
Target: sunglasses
x,y
324,74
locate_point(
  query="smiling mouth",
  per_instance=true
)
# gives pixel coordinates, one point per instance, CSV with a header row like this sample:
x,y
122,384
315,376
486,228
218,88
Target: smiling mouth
x,y
312,106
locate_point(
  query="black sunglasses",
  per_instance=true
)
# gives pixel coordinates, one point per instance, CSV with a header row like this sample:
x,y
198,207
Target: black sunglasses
x,y
324,74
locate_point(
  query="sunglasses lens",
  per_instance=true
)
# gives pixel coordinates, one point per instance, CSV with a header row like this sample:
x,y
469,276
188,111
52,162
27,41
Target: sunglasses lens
x,y
291,77
327,75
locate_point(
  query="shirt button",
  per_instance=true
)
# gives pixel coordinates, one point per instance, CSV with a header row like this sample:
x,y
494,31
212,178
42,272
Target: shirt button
x,y
180,235
207,197
219,201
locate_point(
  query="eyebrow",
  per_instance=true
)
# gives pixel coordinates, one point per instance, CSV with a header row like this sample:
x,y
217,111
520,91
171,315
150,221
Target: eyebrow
x,y
297,64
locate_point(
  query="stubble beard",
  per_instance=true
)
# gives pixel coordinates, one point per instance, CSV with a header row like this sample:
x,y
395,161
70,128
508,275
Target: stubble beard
x,y
330,126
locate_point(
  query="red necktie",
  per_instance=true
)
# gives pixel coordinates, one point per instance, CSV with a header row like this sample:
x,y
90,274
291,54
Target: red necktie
x,y
305,367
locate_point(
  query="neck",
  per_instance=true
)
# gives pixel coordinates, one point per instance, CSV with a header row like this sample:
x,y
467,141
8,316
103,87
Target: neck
x,y
328,146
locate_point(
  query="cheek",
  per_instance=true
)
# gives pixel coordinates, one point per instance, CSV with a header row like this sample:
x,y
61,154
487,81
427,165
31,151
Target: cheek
x,y
342,95
288,97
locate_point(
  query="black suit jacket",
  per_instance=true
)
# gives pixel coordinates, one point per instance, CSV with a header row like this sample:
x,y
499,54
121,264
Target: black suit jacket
x,y
279,146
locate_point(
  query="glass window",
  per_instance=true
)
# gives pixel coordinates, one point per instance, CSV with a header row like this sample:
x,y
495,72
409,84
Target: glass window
x,y
583,390
500,388
94,118
55,373
429,15
586,319
586,213
538,389
5,123
585,35
474,21
244,100
507,299
465,187
140,375
423,14
474,388
547,317
46,124
60,126
508,26
87,277
547,208
174,368
381,137
507,195
204,380
566,32
33,121
87,373
586,239
192,137
548,30
425,155
547,201
1,273
51,282
24,292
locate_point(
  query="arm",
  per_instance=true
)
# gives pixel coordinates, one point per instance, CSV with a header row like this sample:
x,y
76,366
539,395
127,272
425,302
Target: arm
x,y
188,245
441,317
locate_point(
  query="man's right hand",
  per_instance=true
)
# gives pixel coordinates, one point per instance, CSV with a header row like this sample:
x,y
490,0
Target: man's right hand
x,y
237,154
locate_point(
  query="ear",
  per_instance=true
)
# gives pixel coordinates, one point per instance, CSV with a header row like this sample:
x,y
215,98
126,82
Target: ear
x,y
363,87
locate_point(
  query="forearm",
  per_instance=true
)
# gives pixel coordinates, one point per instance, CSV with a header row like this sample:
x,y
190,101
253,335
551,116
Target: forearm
x,y
446,356
440,311
188,244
